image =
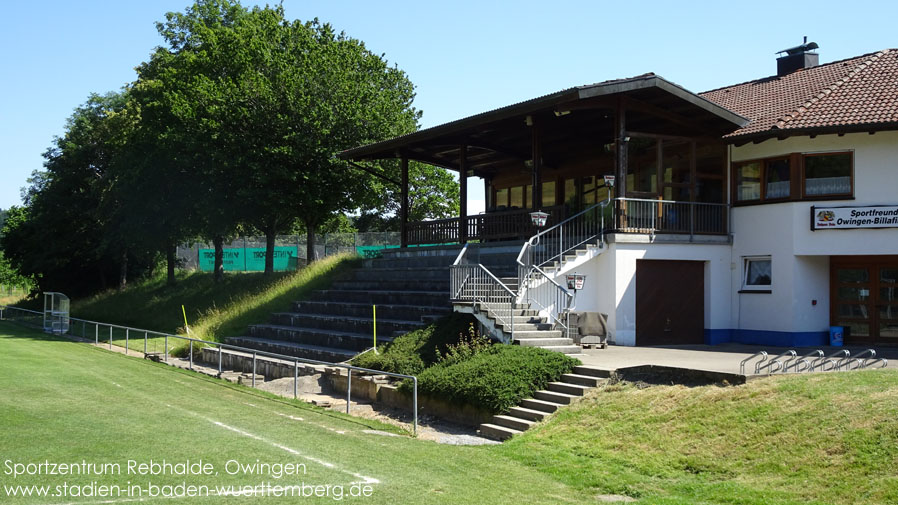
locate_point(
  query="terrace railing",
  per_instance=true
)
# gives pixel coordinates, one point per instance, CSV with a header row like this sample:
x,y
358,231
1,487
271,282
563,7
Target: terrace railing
x,y
668,216
491,226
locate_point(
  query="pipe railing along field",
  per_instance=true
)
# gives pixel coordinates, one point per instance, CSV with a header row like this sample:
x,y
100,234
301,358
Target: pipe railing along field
x,y
35,318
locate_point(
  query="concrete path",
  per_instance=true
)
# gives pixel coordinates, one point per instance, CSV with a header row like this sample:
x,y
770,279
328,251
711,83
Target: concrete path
x,y
715,358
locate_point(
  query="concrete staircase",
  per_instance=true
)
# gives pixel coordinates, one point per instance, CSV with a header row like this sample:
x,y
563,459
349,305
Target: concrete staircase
x,y
544,403
410,288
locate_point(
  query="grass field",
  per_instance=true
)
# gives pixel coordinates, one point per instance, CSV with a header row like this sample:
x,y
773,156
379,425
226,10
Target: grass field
x,y
63,402
818,439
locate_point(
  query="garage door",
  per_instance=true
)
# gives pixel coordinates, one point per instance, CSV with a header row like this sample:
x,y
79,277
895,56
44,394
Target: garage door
x,y
670,306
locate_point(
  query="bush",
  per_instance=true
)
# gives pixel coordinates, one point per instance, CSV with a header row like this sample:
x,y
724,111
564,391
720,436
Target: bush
x,y
411,353
495,379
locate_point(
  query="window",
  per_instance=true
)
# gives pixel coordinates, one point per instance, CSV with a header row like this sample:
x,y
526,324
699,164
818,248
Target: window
x,y
757,273
777,175
813,176
516,200
827,174
502,198
748,181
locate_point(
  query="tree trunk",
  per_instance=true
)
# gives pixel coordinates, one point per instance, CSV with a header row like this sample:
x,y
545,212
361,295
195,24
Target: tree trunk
x,y
310,242
269,249
218,268
123,271
170,260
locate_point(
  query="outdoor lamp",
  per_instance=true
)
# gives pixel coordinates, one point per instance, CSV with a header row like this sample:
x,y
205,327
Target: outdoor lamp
x,y
539,218
576,281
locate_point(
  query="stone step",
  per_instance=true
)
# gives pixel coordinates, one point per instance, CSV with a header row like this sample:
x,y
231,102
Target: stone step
x,y
592,371
420,273
395,284
333,322
539,334
523,327
543,341
535,404
320,353
386,297
567,388
349,341
526,413
497,432
394,311
515,423
582,380
555,396
564,349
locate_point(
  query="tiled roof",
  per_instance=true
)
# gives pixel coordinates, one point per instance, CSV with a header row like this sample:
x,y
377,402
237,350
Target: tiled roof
x,y
855,92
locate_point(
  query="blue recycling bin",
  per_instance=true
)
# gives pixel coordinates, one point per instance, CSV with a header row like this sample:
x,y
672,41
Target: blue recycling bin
x,y
835,335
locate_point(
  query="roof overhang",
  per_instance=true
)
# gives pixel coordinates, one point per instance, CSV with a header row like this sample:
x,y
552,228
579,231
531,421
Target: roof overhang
x,y
649,96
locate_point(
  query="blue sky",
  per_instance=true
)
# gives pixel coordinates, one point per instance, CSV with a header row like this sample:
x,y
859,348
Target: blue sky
x,y
464,56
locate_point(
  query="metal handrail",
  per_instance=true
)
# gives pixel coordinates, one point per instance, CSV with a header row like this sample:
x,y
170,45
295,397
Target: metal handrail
x,y
222,346
559,291
462,276
762,354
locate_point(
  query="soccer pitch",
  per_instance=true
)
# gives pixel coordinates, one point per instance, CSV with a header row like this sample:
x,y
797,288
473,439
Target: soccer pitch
x,y
82,425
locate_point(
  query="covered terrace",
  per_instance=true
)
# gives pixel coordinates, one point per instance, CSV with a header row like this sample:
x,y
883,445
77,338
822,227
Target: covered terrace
x,y
661,142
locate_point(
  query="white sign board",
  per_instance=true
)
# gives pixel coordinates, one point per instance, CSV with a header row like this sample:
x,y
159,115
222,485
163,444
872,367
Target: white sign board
x,y
842,218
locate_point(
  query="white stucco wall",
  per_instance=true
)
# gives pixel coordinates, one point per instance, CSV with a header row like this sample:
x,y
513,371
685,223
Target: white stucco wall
x,y
611,282
800,257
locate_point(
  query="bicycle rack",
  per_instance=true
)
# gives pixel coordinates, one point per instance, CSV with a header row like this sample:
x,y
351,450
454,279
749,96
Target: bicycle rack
x,y
762,354
807,364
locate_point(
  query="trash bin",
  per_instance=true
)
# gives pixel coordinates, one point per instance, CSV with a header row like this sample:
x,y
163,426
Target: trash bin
x,y
835,335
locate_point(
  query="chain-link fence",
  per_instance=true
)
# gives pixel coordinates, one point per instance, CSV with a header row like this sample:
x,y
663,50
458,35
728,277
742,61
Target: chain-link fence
x,y
247,254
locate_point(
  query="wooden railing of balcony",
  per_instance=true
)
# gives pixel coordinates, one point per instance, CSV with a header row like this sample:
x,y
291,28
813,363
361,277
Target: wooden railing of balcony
x,y
491,226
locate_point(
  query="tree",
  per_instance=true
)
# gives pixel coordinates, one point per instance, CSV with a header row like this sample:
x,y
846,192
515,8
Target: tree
x,y
277,100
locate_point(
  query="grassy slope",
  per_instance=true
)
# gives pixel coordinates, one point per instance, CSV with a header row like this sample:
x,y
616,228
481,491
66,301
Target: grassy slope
x,y
822,438
214,310
108,408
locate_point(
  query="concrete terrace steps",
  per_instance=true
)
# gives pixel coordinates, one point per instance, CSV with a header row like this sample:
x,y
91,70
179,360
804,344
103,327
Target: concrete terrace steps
x,y
317,352
409,287
546,402
385,326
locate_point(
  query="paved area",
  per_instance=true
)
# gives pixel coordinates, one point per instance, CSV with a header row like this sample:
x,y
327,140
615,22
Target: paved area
x,y
716,358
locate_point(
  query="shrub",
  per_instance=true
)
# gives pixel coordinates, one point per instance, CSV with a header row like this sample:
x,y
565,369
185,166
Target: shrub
x,y
468,345
495,379
411,353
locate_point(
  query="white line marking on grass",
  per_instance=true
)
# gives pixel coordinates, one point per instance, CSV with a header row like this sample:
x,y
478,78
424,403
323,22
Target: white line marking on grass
x,y
365,480
288,416
117,384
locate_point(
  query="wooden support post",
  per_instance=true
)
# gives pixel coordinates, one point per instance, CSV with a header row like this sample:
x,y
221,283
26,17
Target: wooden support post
x,y
536,156
403,203
622,162
463,194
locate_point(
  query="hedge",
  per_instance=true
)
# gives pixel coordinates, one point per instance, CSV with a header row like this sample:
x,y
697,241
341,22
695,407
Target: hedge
x,y
496,379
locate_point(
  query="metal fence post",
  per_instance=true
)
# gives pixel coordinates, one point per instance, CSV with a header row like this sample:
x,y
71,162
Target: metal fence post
x,y
415,406
166,348
254,368
220,351
348,388
83,329
191,354
295,379
97,334
127,335
110,337
145,338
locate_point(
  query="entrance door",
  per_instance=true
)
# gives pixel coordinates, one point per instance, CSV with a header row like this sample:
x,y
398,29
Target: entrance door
x,y
670,302
864,297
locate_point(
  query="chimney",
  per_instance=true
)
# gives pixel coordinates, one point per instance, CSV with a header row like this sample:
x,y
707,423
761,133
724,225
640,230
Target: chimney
x,y
797,58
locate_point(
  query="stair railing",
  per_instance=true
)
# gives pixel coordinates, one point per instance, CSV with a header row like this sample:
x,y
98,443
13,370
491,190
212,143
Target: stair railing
x,y
548,246
475,284
548,297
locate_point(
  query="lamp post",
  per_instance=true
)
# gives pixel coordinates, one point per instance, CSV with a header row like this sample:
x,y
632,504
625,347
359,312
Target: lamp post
x,y
575,282
538,218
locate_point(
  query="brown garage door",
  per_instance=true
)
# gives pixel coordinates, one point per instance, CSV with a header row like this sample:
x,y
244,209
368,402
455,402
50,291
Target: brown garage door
x,y
670,302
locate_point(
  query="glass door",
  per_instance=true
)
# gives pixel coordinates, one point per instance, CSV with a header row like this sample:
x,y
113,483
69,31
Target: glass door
x,y
864,298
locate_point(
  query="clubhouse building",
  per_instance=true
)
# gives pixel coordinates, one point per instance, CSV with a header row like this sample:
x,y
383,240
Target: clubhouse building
x,y
763,212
